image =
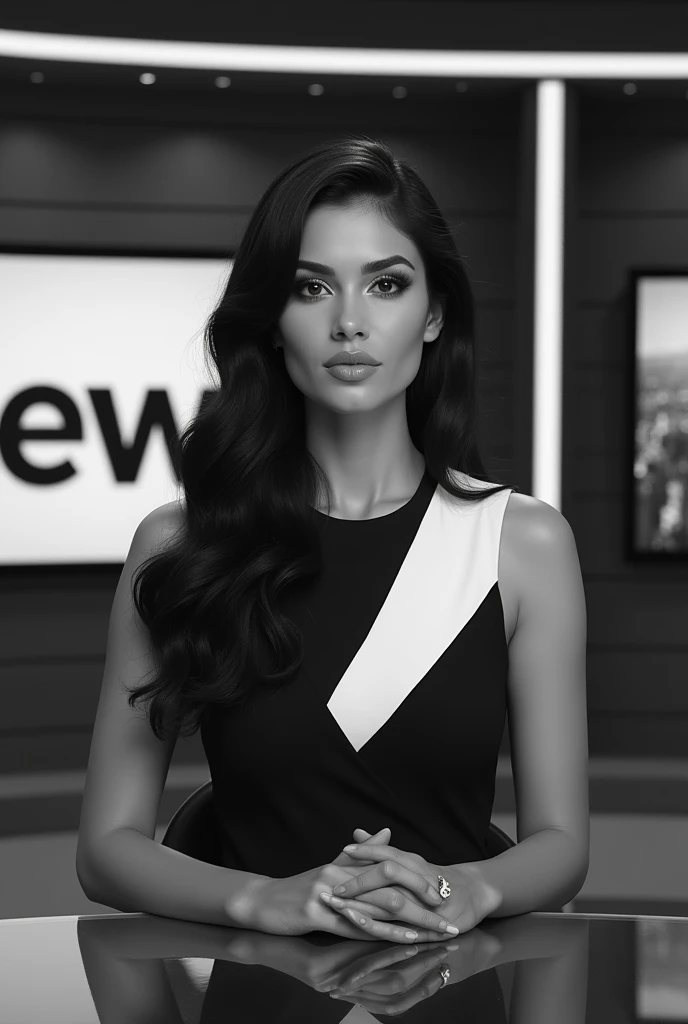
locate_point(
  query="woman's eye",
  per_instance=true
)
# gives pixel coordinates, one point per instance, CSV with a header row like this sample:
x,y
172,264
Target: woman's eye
x,y
400,282
311,284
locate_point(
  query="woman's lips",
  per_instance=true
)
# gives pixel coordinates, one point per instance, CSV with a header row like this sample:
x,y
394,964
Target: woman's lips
x,y
351,371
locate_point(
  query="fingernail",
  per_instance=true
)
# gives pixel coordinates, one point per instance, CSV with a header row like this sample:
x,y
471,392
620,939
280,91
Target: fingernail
x,y
452,929
411,935
351,846
339,888
329,898
453,946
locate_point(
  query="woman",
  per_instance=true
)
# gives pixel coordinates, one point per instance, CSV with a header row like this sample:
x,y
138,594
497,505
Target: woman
x,y
347,606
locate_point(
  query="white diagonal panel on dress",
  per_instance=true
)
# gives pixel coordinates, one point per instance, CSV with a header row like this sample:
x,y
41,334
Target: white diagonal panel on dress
x,y
447,573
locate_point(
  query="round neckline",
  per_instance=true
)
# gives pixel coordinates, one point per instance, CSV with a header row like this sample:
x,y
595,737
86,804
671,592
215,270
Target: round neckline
x,y
387,515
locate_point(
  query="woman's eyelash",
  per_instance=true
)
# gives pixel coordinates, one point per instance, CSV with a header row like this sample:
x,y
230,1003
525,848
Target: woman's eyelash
x,y
401,280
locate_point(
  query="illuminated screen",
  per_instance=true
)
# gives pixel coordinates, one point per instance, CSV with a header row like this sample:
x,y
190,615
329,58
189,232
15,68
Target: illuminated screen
x,y
101,354
660,418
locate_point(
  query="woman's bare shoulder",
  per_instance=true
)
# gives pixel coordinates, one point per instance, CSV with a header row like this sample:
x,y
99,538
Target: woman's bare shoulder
x,y
172,511
164,520
534,534
532,519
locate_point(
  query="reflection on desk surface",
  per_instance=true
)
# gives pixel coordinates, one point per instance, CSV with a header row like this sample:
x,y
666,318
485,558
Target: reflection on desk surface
x,y
529,969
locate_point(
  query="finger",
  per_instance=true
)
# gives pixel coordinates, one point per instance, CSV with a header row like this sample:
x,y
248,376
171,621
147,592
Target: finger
x,y
382,837
385,982
350,930
365,967
343,924
396,933
379,853
387,872
380,929
395,906
430,983
343,860
362,905
386,851
371,903
401,976
377,1003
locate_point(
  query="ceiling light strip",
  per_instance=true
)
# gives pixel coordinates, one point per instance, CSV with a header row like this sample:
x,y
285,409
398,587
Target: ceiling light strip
x,y
340,60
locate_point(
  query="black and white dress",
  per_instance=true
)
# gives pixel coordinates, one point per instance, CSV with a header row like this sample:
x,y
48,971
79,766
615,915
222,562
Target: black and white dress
x,y
397,713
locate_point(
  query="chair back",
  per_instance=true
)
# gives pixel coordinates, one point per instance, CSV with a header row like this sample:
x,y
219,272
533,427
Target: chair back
x,y
497,841
192,829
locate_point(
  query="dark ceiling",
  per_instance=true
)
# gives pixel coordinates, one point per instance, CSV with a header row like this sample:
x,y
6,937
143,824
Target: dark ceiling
x,y
612,25
28,85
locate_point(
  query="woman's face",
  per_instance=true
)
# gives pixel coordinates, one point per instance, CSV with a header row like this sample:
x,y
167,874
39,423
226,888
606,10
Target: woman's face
x,y
343,307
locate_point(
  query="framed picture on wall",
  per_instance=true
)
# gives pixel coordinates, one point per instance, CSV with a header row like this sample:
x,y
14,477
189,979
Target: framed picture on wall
x,y
658,521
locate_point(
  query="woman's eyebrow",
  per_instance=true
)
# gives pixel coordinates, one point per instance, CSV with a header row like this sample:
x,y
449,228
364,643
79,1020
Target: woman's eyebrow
x,y
367,268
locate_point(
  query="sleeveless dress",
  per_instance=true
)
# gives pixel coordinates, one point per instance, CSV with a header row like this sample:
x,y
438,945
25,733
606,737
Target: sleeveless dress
x,y
397,713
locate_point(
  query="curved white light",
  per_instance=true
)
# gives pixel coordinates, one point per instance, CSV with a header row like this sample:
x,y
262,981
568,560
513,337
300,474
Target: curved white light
x,y
340,60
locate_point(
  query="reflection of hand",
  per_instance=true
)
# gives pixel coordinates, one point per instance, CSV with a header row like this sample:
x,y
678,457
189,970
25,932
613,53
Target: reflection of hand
x,y
383,991
148,937
324,968
374,894
550,956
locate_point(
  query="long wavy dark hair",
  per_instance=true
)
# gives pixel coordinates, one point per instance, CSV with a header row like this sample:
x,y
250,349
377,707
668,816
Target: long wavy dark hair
x,y
209,598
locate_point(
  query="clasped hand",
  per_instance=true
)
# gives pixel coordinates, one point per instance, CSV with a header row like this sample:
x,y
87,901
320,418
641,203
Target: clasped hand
x,y
402,886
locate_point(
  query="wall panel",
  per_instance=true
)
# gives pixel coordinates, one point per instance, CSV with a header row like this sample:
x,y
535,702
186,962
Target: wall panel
x,y
631,211
160,176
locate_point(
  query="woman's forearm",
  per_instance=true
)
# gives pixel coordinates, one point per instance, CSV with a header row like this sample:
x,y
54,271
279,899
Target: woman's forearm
x,y
136,874
542,872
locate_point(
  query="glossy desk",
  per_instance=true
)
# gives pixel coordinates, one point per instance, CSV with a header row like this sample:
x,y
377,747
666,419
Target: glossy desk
x,y
539,968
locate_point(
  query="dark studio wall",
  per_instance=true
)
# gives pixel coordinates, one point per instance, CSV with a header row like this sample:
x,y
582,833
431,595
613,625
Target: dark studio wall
x,y
629,208
51,659
627,204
